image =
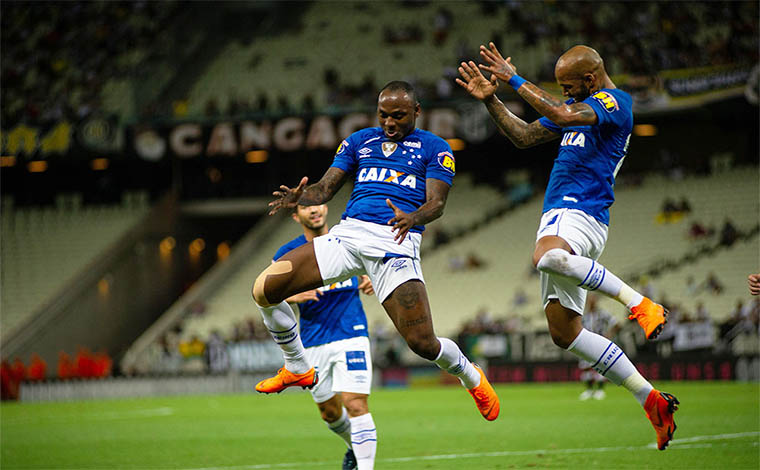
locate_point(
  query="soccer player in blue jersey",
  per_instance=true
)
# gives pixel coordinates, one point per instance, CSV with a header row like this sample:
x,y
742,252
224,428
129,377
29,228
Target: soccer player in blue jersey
x,y
401,177
595,126
334,333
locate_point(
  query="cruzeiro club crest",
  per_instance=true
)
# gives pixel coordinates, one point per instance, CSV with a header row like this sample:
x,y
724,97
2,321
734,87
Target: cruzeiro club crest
x,y
389,148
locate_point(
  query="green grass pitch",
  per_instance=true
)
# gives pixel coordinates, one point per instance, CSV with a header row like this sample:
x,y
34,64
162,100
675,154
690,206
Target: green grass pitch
x,y
542,426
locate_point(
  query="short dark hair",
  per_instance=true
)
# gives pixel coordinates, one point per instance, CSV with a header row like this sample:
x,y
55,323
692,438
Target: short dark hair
x,y
399,85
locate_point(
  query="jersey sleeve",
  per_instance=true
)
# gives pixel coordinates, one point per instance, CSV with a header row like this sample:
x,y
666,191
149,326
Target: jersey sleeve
x,y
441,164
548,124
345,155
608,108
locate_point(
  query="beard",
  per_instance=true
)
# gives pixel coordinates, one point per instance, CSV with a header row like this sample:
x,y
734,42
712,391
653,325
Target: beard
x,y
316,226
582,94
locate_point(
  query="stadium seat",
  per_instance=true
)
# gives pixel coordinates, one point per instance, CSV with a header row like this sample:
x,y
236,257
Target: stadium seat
x,y
44,247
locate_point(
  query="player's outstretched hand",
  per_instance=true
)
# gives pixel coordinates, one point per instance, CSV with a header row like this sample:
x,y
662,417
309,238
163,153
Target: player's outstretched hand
x,y
401,221
312,295
497,65
365,285
754,284
287,198
478,86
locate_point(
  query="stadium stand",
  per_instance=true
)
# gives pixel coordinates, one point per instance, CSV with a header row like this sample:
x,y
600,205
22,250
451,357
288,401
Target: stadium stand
x,y
129,56
729,265
71,60
468,204
42,248
427,43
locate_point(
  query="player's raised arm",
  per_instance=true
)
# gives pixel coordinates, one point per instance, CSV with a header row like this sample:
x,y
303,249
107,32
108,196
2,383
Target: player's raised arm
x,y
312,195
521,133
560,113
324,189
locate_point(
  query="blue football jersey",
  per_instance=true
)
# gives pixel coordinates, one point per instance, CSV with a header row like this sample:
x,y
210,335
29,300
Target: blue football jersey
x,y
385,169
337,315
589,157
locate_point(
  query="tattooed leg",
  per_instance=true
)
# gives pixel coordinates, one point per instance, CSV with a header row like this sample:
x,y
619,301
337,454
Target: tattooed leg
x,y
409,309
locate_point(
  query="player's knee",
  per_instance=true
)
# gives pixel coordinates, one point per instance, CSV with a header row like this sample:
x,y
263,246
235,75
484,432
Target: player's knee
x,y
330,410
330,414
425,346
258,293
553,261
560,337
263,292
356,407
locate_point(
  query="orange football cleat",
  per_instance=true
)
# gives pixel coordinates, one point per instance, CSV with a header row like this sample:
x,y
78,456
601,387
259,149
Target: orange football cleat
x,y
285,379
651,316
660,407
485,397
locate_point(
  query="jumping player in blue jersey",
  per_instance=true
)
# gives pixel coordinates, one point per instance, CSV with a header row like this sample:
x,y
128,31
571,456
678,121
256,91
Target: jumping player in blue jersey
x,y
334,333
595,126
401,177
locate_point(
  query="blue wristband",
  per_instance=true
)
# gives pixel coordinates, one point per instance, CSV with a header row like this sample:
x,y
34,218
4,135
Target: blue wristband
x,y
516,81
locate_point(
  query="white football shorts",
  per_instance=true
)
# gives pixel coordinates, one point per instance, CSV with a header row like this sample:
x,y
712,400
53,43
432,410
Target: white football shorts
x,y
343,366
586,236
354,247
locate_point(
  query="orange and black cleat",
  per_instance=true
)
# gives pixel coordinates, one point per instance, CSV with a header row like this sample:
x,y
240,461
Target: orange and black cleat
x,y
651,316
485,397
285,379
660,407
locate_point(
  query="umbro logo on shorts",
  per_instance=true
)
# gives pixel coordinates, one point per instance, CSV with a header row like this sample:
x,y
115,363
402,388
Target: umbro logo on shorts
x,y
399,264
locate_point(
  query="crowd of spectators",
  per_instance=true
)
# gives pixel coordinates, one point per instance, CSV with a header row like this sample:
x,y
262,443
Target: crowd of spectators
x,y
642,37
657,36
673,211
58,55
744,317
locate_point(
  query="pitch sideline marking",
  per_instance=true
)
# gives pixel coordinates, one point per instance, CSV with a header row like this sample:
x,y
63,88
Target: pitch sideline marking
x,y
685,443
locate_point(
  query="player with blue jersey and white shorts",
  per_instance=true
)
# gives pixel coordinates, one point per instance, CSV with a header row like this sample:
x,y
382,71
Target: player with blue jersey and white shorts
x,y
594,125
333,329
402,177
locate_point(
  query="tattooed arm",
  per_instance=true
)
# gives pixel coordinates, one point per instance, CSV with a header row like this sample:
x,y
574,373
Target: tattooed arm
x,y
313,195
522,134
324,189
561,114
